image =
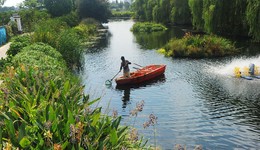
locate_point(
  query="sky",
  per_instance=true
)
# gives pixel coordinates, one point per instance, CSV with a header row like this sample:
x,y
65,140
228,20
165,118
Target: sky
x,y
10,3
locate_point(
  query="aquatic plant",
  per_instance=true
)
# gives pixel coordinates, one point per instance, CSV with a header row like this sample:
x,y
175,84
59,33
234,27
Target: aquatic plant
x,y
147,27
199,46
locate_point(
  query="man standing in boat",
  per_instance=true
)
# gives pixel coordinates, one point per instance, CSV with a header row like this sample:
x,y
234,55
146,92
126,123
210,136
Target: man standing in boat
x,y
124,65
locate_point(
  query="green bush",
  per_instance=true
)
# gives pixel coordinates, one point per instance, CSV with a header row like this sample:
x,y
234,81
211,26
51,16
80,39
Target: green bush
x,y
68,44
39,112
4,62
71,19
57,34
46,49
85,31
48,31
147,27
39,59
32,17
199,47
18,43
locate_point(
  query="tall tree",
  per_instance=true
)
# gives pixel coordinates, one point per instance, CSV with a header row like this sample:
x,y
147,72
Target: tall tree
x,y
196,7
98,9
180,12
58,7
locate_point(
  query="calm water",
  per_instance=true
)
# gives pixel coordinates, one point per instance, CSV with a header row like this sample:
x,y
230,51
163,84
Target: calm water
x,y
196,101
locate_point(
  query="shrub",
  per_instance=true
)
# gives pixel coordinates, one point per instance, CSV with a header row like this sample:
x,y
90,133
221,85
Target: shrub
x,y
39,112
147,27
71,19
18,43
68,44
199,47
40,60
85,31
46,49
31,17
48,31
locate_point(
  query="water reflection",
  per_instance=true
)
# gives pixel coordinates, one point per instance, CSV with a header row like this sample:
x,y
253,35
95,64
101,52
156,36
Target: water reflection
x,y
229,102
157,40
127,88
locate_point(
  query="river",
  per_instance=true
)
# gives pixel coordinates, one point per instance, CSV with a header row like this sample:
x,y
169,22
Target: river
x,y
196,101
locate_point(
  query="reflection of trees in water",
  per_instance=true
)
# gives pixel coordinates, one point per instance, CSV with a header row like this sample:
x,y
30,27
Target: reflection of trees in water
x,y
101,43
127,88
157,40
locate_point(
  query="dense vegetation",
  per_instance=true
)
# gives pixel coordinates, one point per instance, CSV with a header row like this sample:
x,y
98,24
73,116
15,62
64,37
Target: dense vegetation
x,y
42,104
236,18
147,27
198,47
122,14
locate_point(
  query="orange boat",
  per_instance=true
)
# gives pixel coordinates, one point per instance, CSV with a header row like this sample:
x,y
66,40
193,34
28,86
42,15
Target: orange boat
x,y
141,75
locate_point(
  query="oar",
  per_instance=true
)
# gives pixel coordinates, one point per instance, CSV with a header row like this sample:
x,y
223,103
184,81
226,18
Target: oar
x,y
137,65
136,68
108,82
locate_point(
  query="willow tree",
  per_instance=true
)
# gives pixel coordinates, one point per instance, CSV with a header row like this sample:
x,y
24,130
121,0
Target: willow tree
x,y
139,8
196,7
149,9
180,12
253,18
208,15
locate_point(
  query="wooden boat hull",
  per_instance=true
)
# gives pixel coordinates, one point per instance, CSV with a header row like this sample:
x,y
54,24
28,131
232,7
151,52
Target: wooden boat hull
x,y
141,75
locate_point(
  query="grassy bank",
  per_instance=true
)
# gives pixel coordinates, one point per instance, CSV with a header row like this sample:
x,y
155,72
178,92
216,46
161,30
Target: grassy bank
x,y
42,103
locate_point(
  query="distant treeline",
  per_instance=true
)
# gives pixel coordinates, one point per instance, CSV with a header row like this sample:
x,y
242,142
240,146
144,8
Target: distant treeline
x,y
233,17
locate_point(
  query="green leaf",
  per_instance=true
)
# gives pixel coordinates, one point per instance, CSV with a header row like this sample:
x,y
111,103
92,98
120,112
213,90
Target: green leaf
x,y
25,142
116,122
66,86
51,114
95,119
113,137
64,145
92,102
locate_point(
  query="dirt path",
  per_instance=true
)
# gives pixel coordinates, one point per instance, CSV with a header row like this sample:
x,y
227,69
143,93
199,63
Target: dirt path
x,y
3,50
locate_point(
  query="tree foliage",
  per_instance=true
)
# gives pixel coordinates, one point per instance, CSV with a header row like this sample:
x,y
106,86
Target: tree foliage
x,y
232,18
58,7
253,18
98,9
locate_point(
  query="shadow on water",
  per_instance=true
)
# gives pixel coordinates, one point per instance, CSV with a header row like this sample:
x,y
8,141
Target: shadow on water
x,y
128,88
157,40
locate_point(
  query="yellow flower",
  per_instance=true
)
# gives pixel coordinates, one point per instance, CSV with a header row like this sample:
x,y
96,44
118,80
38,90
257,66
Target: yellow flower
x,y
48,134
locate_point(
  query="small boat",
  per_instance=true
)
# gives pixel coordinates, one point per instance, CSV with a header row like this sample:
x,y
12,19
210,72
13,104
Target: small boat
x,y
141,75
